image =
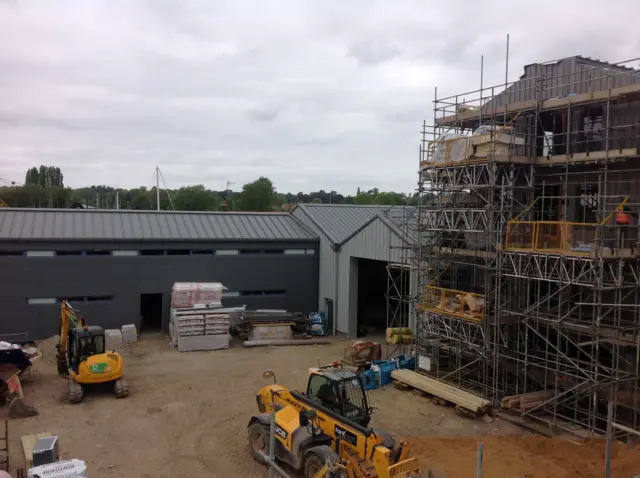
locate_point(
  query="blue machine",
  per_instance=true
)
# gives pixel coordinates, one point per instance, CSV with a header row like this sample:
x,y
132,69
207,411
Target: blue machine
x,y
318,323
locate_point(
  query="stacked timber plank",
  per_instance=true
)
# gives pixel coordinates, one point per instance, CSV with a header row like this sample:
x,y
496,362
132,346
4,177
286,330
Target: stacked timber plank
x,y
446,392
526,401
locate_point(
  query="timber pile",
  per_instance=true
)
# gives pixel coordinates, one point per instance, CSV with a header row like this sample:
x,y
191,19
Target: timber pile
x,y
463,400
526,401
276,342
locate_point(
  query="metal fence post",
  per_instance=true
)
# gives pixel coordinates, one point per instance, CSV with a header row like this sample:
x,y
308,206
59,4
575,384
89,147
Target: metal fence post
x,y
479,468
607,451
272,441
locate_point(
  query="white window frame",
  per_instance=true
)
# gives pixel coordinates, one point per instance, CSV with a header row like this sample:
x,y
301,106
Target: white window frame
x,y
41,253
227,252
125,253
42,301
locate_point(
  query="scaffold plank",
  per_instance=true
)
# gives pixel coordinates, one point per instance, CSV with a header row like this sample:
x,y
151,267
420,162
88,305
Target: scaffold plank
x,y
442,390
550,104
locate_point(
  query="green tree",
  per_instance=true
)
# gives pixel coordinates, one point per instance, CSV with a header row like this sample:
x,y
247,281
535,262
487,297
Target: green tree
x,y
195,198
32,176
258,195
363,198
140,198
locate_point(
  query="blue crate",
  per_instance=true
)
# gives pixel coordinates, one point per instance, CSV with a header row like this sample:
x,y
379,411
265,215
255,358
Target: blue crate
x,y
369,380
405,362
386,367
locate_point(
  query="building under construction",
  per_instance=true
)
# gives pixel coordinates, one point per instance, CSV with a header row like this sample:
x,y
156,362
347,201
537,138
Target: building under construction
x,y
528,244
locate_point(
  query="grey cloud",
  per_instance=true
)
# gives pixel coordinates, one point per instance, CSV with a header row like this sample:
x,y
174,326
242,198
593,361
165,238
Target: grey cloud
x,y
372,52
263,113
217,91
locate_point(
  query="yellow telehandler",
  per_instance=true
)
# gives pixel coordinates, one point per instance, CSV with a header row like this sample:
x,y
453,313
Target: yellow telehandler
x,y
325,432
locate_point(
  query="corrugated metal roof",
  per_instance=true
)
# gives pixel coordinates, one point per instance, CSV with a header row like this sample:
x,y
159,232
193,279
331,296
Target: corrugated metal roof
x,y
340,221
96,224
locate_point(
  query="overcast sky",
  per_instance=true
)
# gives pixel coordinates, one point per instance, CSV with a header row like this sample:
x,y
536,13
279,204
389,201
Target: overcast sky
x,y
315,95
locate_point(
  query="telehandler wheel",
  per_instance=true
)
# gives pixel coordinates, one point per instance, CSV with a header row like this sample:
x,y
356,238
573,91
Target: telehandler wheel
x,y
75,391
259,441
389,442
121,388
316,458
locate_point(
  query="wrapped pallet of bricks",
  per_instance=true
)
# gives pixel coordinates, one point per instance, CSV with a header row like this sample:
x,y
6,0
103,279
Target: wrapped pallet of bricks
x,y
185,295
399,335
200,328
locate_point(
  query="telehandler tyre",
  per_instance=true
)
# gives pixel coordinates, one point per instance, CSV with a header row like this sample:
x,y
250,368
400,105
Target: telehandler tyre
x,y
316,458
259,441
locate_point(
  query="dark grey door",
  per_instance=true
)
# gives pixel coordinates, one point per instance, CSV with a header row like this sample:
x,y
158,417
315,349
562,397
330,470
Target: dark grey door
x,y
328,310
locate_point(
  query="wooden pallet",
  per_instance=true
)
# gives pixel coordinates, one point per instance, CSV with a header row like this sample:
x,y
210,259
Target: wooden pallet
x,y
442,393
4,446
28,443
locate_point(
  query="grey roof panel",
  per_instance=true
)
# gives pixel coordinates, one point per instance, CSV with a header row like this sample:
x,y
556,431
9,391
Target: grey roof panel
x,y
340,221
121,225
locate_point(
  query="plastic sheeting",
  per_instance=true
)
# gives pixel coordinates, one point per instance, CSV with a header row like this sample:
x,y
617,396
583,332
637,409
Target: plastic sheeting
x,y
185,295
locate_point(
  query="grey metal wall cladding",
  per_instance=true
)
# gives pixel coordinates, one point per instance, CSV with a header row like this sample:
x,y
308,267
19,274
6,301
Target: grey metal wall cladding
x,y
564,77
326,262
125,278
84,224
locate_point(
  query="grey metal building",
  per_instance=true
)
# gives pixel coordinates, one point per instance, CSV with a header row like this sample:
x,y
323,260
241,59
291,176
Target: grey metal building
x,y
118,267
362,249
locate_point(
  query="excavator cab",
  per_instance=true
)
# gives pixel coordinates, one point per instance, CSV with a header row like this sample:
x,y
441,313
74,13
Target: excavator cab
x,y
84,343
342,392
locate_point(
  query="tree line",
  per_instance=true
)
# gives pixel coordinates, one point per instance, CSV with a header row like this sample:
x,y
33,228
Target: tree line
x,y
44,188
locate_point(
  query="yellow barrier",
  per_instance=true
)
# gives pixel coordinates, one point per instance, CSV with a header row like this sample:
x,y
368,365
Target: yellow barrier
x,y
456,303
558,237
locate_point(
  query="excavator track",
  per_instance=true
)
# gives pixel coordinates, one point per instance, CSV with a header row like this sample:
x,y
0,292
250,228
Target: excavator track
x,y
121,388
75,391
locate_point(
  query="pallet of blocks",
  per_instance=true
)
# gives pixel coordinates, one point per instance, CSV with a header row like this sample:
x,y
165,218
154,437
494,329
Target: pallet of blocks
x,y
201,328
185,295
466,403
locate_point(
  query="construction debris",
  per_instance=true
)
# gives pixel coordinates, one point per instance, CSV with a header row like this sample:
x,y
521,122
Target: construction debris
x,y
19,409
526,401
61,469
242,323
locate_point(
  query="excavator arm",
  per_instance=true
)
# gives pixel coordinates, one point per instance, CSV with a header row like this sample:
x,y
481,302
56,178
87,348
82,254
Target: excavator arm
x,y
68,320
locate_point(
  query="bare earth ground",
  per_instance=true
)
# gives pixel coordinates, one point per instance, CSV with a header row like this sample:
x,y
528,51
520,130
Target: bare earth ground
x,y
187,414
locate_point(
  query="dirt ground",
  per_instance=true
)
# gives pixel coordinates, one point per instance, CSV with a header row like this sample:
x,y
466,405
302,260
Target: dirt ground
x,y
187,414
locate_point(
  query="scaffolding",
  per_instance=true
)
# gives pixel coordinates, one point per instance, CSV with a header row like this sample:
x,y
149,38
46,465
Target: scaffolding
x,y
401,273
528,276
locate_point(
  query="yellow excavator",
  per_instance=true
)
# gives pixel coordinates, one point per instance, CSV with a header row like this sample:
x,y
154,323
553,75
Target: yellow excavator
x,y
82,358
325,432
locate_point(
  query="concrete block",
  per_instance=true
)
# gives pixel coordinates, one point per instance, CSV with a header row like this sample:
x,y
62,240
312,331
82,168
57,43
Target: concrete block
x,y
113,339
129,333
203,342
